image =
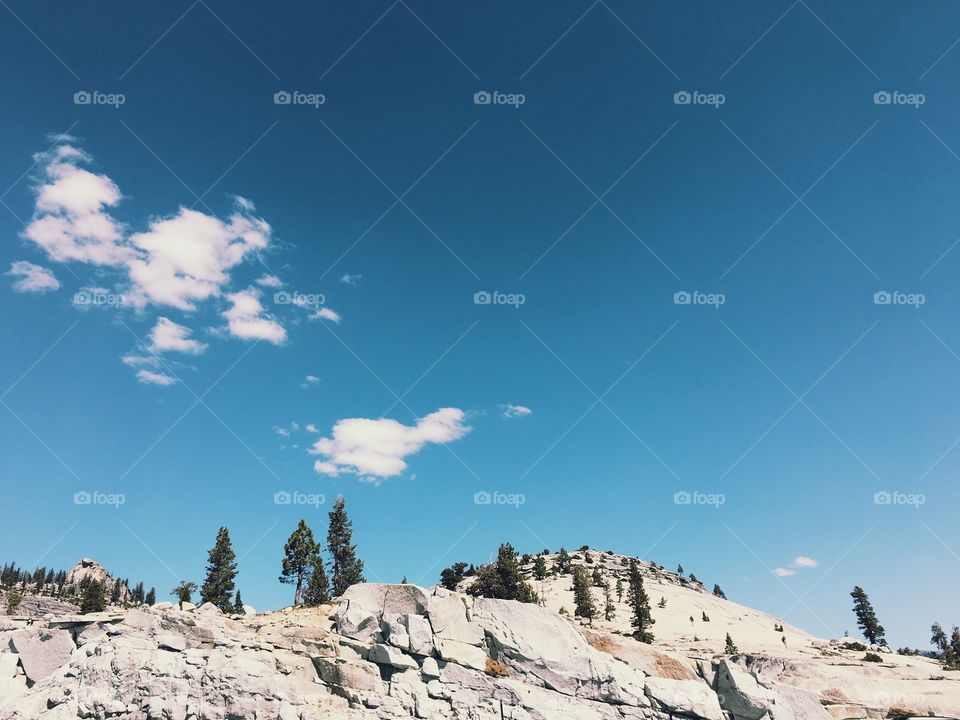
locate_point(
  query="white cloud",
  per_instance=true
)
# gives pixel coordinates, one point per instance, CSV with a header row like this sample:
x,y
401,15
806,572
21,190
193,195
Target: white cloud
x,y
784,572
134,360
271,281
186,258
312,379
70,221
149,377
311,428
167,335
326,314
514,411
376,449
178,261
801,561
30,278
282,431
350,279
245,320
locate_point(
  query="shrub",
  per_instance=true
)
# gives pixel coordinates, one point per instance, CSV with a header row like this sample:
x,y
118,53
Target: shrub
x,y
495,669
854,645
872,657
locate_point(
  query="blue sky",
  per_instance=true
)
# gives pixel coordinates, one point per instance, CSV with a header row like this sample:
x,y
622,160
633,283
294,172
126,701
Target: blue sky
x,y
782,199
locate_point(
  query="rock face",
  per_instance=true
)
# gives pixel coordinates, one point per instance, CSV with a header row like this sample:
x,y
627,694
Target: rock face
x,y
384,651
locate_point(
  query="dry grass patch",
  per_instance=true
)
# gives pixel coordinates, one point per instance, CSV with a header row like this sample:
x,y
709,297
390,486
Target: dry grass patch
x,y
495,669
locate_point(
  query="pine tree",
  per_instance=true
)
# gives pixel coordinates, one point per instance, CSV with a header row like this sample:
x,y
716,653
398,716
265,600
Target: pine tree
x,y
729,647
318,588
582,600
138,594
94,598
680,570
705,617
866,618
502,579
450,577
13,601
609,609
238,604
115,593
619,590
346,569
184,592
718,592
221,573
151,598
562,563
298,555
662,603
597,578
955,645
540,568
638,601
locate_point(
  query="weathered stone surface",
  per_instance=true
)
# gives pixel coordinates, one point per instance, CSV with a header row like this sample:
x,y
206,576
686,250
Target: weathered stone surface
x,y
461,653
388,655
42,651
448,618
684,697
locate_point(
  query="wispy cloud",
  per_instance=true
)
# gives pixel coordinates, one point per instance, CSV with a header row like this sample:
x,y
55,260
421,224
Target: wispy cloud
x,y
30,278
349,279
326,313
245,318
799,562
270,281
168,336
510,411
148,377
784,572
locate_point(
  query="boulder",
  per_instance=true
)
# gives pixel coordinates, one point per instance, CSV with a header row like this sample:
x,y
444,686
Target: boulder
x,y
364,606
684,697
249,610
208,608
462,654
419,633
448,618
388,655
171,641
354,674
42,651
430,669
741,694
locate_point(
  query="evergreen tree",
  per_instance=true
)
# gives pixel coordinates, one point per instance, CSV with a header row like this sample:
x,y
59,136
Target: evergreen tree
x,y
955,645
540,568
115,593
582,600
502,579
705,618
662,603
718,592
597,577
609,609
184,592
94,598
298,556
638,601
318,588
619,590
13,601
346,569
562,563
138,594
729,647
680,570
221,574
866,618
238,604
693,578
151,598
450,577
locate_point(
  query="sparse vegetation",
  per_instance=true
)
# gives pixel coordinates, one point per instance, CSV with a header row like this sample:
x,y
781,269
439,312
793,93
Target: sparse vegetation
x,y
866,617
94,598
184,592
640,604
872,657
502,579
495,669
730,647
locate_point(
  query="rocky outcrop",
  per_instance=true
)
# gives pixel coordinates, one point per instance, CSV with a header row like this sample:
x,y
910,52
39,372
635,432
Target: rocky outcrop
x,y
385,651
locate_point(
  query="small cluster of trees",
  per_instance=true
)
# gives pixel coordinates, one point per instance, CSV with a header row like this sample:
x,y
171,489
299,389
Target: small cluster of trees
x,y
948,648
302,566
